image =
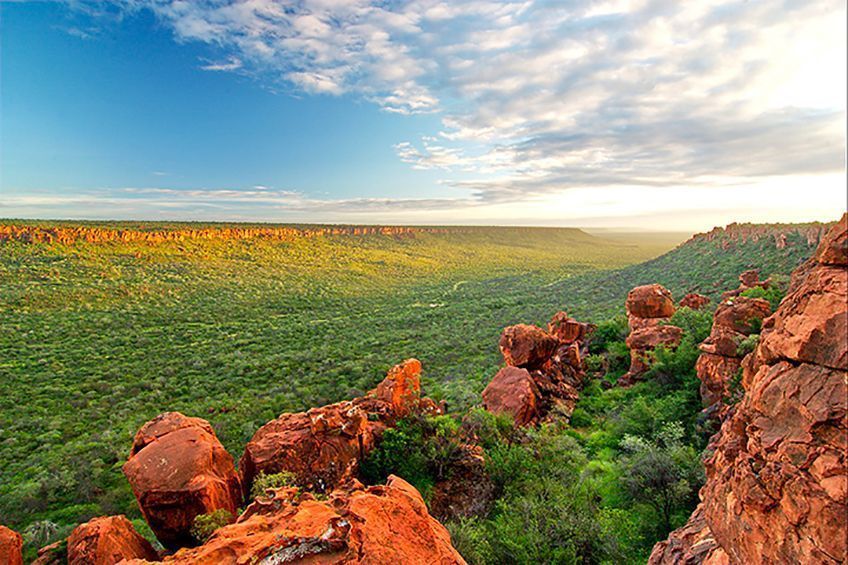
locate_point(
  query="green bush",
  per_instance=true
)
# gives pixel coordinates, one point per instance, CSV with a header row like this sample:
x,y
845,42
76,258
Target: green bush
x,y
204,525
664,473
420,449
263,481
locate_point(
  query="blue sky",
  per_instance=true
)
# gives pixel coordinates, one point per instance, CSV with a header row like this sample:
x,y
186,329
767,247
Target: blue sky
x,y
638,114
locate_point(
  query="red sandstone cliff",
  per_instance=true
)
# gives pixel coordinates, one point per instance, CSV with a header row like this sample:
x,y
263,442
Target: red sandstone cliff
x,y
777,481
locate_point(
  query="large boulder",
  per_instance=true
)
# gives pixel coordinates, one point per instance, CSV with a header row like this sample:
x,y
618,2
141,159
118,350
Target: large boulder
x,y
777,479
833,249
179,470
323,446
649,301
11,544
526,346
513,391
379,524
567,330
107,540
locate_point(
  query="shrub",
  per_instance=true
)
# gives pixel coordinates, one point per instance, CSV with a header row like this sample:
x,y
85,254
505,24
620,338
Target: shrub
x,y
608,331
204,525
664,473
774,293
276,480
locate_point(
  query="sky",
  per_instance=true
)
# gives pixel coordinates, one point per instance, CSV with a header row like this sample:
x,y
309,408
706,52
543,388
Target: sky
x,y
644,114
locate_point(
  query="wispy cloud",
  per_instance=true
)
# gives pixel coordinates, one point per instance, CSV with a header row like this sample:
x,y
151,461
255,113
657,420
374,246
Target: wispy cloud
x,y
538,97
230,64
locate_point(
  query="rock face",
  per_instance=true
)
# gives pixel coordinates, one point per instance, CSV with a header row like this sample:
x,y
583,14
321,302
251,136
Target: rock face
x,y
178,470
648,307
689,545
694,301
544,370
777,481
721,360
11,544
323,446
107,540
379,524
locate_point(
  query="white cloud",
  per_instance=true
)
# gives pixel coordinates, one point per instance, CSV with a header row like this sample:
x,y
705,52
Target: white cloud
x,y
537,97
231,64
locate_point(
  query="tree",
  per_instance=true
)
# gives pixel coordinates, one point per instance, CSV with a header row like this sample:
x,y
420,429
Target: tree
x,y
664,474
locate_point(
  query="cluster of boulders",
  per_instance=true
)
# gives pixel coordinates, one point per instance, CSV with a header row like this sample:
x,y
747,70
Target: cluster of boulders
x,y
777,478
649,308
323,446
544,370
354,524
747,280
179,471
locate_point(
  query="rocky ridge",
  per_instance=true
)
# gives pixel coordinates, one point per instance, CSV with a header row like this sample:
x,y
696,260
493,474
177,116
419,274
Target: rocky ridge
x,y
777,480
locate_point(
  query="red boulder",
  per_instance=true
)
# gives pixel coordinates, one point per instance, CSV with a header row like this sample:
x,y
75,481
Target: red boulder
x,y
179,470
566,329
834,246
106,541
650,301
741,314
526,346
513,391
694,301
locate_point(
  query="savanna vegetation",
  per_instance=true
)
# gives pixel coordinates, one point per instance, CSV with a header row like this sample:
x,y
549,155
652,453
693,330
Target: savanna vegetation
x,y
96,338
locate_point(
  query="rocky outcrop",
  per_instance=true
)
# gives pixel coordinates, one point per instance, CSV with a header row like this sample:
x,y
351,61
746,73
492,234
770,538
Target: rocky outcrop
x,y
378,524
690,545
747,280
11,544
777,480
179,470
107,540
694,301
721,359
649,307
323,446
647,303
544,370
780,234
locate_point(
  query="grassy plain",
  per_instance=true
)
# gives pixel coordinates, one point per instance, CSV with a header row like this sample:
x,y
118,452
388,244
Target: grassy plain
x,y
96,338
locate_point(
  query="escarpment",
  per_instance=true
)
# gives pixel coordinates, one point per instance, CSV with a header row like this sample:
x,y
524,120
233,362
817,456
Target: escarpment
x,y
777,481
